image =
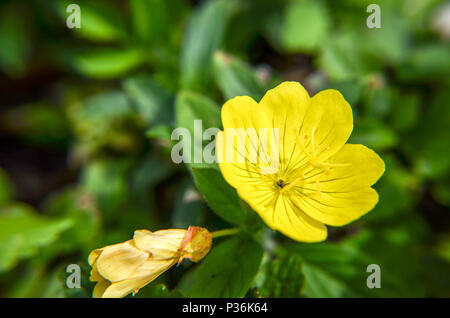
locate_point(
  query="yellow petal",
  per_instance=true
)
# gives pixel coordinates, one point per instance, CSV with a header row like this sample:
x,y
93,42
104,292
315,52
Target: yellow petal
x,y
293,222
280,212
95,276
164,244
244,112
94,255
327,125
236,173
123,288
357,166
100,288
341,194
237,148
286,106
339,208
118,262
145,274
280,112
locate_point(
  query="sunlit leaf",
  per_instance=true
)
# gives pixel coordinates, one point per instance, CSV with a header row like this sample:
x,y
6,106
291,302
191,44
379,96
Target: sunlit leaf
x,y
306,25
152,101
281,276
227,271
100,20
202,38
195,110
235,78
105,63
219,195
24,232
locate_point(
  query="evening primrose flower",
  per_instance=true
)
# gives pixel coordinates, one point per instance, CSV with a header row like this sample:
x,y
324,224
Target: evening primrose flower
x,y
124,268
317,179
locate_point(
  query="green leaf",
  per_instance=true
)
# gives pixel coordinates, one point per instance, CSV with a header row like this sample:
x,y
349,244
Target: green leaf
x,y
236,78
397,182
148,173
390,43
105,63
320,284
99,112
227,271
426,62
342,59
106,181
106,120
189,107
442,247
377,101
441,192
162,132
351,90
405,111
328,268
437,276
203,36
104,107
189,207
80,208
219,195
39,122
192,106
306,25
428,143
101,21
373,133
281,276
24,232
15,42
6,188
151,19
152,101
340,269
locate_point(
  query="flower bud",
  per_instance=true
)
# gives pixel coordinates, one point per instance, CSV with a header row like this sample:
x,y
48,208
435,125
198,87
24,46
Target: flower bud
x,y
196,244
126,267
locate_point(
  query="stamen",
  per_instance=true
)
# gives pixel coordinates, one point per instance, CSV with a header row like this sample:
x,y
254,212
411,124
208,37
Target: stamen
x,y
318,192
291,185
312,157
299,140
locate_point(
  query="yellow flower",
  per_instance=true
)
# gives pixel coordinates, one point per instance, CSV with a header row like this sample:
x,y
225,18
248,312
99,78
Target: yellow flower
x,y
303,175
123,268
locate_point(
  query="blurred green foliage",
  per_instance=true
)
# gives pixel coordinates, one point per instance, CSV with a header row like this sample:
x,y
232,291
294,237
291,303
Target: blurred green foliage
x,y
99,104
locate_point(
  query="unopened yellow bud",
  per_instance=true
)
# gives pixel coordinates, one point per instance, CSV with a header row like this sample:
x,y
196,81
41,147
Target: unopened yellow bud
x,y
126,267
196,244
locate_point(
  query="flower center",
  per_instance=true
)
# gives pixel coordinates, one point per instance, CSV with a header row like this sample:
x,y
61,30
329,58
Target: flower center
x,y
298,179
281,183
284,186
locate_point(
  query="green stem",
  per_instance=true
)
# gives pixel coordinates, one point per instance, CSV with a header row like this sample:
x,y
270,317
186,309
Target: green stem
x,y
225,232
